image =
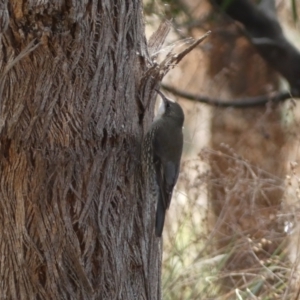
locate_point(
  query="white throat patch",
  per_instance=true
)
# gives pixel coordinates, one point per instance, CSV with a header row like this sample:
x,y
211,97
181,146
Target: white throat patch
x,y
161,110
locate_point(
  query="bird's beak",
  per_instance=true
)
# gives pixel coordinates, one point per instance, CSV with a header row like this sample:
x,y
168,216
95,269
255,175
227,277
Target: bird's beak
x,y
164,98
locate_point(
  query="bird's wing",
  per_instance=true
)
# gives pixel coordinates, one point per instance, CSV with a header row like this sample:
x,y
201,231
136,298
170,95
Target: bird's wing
x,y
166,165
166,176
170,178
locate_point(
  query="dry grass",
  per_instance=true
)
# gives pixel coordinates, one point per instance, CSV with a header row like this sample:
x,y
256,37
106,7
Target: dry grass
x,y
193,264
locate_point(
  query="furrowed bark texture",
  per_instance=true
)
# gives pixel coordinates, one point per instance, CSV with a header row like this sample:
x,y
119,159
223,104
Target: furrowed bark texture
x,y
72,207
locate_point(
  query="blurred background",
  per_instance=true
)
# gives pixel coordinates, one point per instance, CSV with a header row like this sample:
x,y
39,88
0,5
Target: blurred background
x,y
232,231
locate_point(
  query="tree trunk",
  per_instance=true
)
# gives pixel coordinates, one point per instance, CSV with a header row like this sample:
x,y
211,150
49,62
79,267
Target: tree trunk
x,y
74,222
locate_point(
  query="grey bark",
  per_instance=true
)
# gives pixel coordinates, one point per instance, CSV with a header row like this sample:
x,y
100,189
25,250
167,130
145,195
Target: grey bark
x,y
75,98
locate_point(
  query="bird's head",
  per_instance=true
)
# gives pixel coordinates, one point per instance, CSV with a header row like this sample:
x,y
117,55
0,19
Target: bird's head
x,y
170,110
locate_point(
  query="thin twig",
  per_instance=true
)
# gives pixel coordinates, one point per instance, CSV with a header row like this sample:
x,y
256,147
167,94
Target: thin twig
x,y
274,97
180,56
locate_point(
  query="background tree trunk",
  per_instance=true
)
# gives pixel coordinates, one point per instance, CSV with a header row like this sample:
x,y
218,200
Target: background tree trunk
x,y
247,164
74,224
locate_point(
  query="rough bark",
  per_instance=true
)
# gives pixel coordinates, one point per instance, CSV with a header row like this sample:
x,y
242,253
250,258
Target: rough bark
x,y
74,89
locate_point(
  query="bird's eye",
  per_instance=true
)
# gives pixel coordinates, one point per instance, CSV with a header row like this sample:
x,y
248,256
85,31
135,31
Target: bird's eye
x,y
168,105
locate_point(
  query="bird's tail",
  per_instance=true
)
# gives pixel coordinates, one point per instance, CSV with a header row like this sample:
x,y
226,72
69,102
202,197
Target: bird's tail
x,y
160,217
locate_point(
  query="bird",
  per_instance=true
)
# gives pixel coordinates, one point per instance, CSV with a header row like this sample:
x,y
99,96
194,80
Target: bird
x,y
162,149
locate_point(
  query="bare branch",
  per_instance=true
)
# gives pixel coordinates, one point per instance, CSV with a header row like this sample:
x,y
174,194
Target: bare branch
x,y
265,33
172,59
274,97
158,37
158,71
176,59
